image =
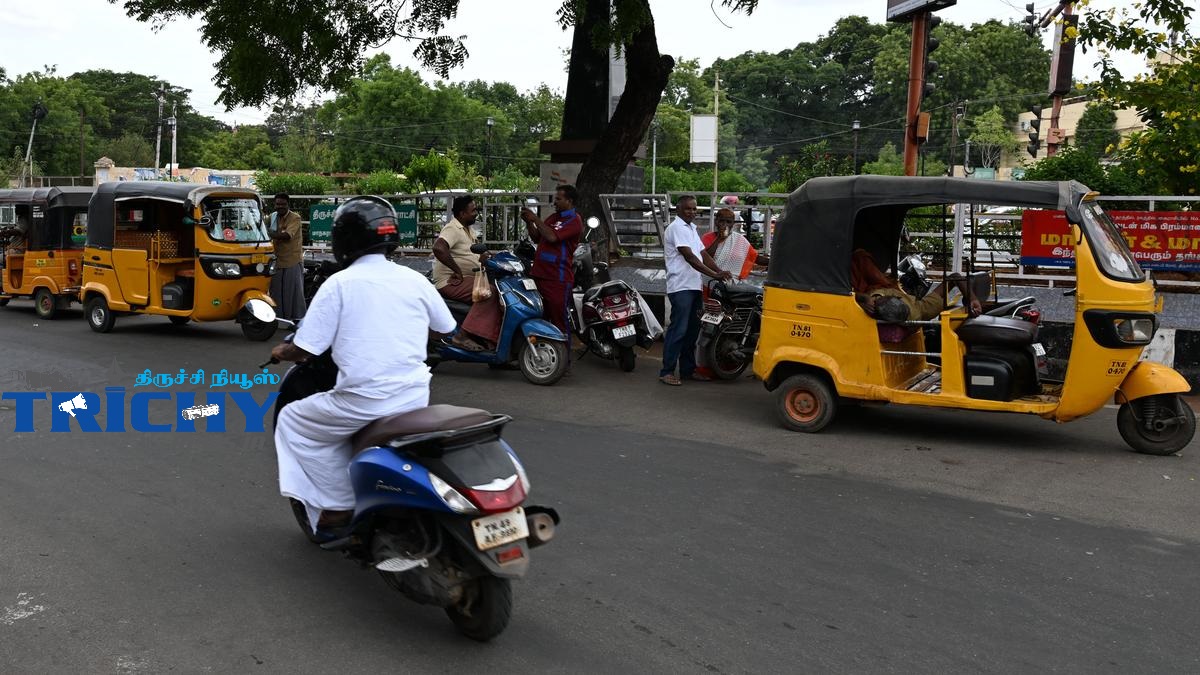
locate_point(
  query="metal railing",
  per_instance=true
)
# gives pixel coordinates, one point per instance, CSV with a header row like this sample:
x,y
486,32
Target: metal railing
x,y
639,220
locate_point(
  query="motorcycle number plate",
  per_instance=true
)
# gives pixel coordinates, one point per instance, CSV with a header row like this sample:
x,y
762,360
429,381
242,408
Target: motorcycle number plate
x,y
500,529
624,331
530,284
1039,349
712,317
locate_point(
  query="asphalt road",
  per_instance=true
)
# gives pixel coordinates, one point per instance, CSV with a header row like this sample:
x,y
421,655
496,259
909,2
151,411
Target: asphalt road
x,y
698,536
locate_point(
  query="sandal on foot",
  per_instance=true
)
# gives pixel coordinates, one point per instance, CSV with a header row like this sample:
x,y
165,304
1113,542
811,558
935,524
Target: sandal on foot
x,y
671,380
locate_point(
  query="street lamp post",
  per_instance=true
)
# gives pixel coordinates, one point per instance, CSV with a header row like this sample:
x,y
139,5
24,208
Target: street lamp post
x,y
487,162
856,128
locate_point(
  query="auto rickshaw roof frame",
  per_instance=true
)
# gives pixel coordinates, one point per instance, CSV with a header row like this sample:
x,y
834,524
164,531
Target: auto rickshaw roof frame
x,y
820,230
101,224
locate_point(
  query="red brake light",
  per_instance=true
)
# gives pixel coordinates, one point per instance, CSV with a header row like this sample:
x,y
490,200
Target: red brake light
x,y
509,554
496,501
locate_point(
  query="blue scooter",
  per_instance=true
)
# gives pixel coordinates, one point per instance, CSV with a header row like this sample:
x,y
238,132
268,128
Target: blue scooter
x,y
439,505
539,347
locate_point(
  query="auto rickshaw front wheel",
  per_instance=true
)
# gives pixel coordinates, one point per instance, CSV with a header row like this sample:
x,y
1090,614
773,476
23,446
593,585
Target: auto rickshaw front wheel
x,y
45,303
258,331
4,302
1157,425
99,316
805,403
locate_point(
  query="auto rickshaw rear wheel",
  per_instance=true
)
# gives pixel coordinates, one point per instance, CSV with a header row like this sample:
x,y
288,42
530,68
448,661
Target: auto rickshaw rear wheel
x,y
99,316
4,302
1157,425
45,303
179,320
258,331
805,403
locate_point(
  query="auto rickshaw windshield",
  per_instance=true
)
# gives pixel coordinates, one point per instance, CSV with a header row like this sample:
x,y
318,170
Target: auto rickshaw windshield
x,y
237,220
1109,247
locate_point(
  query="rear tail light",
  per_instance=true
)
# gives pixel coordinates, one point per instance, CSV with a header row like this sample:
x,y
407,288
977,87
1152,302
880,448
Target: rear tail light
x,y
72,267
503,495
711,305
1033,316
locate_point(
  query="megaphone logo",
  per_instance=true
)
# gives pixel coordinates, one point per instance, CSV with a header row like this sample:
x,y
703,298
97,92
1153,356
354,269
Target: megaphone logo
x,y
77,403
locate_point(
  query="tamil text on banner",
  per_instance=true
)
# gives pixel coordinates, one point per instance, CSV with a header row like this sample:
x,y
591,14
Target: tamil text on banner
x,y
1159,240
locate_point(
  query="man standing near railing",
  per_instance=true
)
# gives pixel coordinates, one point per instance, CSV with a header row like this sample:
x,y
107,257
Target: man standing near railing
x,y
287,285
686,262
553,264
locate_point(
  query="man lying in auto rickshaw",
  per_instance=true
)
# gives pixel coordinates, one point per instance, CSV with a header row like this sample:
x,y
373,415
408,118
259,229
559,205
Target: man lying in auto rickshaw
x,y
881,296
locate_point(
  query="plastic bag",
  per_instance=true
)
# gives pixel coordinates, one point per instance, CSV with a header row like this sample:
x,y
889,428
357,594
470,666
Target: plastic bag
x,y
482,290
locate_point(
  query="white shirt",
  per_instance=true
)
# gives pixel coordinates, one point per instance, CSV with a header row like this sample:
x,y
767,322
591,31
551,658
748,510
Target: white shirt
x,y
377,316
681,276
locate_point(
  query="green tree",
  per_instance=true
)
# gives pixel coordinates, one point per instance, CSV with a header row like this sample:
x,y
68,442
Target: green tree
x,y
815,159
56,143
130,149
1167,154
890,162
992,137
429,171
1096,132
247,147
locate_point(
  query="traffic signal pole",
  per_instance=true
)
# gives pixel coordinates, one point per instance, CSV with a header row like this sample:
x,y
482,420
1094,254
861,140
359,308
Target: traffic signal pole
x,y
916,86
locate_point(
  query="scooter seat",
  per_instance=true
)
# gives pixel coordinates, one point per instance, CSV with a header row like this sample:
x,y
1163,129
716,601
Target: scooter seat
x,y
457,307
615,287
997,331
420,421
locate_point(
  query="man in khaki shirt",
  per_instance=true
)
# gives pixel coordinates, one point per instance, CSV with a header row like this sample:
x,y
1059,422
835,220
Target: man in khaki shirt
x,y
287,286
454,270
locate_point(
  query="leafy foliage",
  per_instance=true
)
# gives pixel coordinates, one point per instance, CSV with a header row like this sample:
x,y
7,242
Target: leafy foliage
x,y
293,183
383,183
816,159
890,162
993,137
1096,133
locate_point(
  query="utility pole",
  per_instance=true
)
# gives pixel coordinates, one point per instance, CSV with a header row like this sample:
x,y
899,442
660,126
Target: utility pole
x,y
654,156
856,128
158,131
959,112
81,166
174,135
1061,62
717,140
488,160
39,112
916,85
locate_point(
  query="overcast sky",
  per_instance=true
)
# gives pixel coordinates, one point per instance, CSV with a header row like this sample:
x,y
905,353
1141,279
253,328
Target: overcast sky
x,y
506,39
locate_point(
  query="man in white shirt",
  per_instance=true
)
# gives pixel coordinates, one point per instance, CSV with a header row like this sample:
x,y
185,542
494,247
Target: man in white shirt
x,y
686,262
376,316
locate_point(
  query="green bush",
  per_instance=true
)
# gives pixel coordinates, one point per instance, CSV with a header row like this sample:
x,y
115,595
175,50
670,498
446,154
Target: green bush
x,y
293,183
383,183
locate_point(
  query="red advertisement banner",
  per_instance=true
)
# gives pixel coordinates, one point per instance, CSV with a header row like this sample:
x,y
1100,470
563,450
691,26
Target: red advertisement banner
x,y
1159,240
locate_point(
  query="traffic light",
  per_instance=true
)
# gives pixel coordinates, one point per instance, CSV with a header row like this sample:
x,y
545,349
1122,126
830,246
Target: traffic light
x,y
931,43
1030,21
1034,125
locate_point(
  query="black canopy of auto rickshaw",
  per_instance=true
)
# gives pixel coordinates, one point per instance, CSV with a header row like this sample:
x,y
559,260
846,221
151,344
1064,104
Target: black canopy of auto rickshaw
x,y
101,209
53,229
827,219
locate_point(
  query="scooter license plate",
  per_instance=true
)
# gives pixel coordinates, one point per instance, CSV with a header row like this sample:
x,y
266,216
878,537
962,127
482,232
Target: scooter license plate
x,y
713,318
624,331
529,284
1039,349
500,529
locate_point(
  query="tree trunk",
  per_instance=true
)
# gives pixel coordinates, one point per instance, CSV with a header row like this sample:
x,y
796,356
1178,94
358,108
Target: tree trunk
x,y
646,73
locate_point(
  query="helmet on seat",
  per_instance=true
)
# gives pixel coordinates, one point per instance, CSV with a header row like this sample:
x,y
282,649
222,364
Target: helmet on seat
x,y
363,225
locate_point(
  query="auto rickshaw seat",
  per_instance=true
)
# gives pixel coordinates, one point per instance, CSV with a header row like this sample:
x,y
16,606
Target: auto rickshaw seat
x,y
185,273
425,420
997,331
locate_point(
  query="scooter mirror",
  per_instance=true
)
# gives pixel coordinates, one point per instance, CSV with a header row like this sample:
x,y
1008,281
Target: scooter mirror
x,y
593,222
261,311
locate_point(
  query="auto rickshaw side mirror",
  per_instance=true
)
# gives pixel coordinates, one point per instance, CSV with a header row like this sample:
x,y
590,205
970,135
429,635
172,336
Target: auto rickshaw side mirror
x,y
188,220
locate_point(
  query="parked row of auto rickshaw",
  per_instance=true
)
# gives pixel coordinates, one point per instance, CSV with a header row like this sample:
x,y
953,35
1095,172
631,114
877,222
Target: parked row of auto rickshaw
x,y
184,251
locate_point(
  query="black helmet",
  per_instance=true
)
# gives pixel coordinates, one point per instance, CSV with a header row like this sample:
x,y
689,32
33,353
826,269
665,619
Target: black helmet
x,y
363,225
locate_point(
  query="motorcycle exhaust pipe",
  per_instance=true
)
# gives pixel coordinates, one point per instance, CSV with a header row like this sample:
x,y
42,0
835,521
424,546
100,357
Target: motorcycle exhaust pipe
x,y
542,521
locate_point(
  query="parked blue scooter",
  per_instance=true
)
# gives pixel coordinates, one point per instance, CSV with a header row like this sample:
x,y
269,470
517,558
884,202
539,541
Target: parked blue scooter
x,y
539,347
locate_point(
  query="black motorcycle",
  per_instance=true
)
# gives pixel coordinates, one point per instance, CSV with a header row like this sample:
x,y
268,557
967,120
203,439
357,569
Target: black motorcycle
x,y
315,274
729,326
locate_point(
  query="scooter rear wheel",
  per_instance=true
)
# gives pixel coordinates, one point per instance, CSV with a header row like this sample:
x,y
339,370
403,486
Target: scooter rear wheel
x,y
301,514
627,359
485,610
1167,440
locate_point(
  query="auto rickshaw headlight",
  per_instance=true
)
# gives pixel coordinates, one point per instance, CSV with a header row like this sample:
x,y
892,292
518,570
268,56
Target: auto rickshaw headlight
x,y
1134,331
223,269
271,267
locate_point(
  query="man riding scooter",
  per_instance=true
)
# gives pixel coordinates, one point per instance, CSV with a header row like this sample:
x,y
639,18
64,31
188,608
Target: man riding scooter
x,y
455,266
376,316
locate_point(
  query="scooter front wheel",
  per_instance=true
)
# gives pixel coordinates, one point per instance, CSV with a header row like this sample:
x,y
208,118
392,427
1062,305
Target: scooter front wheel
x,y
544,362
1157,425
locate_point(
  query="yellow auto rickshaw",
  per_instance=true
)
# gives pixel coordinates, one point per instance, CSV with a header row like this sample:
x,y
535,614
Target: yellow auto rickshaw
x,y
818,343
41,245
181,250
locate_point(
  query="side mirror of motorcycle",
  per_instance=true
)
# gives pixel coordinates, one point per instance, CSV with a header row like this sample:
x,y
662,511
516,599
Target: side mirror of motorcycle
x,y
479,248
593,222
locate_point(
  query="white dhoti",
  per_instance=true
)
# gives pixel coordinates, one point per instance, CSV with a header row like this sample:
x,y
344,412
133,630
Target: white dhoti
x,y
312,443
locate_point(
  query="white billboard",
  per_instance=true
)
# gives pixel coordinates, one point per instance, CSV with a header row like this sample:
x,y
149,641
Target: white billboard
x,y
704,139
